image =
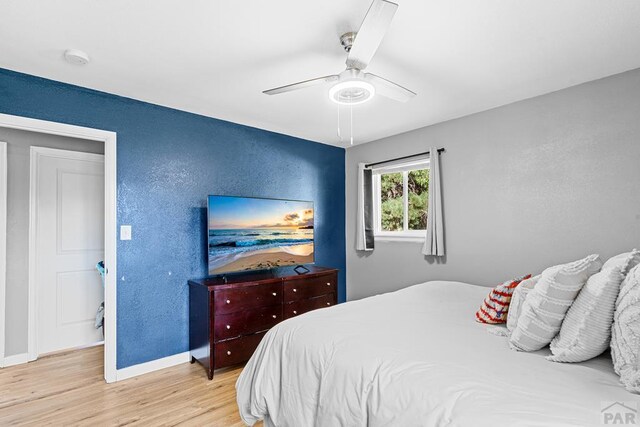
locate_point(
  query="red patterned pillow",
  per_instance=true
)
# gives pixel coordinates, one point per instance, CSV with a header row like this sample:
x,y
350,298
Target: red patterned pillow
x,y
495,306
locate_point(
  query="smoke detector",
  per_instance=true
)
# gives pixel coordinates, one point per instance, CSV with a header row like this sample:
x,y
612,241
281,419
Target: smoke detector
x,y
76,57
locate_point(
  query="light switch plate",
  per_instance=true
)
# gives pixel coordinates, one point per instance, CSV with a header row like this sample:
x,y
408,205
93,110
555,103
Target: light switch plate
x,y
125,232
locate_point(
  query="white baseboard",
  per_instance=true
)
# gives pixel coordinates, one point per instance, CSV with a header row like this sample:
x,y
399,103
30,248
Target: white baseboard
x,y
154,365
16,359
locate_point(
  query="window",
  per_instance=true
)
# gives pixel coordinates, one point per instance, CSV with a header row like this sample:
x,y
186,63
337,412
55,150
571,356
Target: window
x,y
400,201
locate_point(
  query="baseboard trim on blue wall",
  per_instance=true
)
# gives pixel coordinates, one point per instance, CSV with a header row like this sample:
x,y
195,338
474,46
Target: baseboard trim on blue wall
x,y
154,365
121,374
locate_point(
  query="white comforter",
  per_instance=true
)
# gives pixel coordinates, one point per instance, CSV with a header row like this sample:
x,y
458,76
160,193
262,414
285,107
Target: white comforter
x,y
415,357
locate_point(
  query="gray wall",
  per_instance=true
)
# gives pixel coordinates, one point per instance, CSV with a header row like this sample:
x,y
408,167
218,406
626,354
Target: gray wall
x,y
18,143
525,186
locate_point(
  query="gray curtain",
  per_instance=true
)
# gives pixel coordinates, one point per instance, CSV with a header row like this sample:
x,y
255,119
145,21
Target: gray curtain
x,y
434,243
364,221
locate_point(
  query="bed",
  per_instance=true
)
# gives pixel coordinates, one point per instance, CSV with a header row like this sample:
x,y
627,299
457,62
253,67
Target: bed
x,y
415,357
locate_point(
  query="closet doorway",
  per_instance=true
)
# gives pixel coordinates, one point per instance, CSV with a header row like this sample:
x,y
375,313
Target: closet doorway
x,y
71,223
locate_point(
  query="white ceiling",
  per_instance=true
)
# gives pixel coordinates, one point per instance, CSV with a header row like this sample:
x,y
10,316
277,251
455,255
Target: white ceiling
x,y
215,57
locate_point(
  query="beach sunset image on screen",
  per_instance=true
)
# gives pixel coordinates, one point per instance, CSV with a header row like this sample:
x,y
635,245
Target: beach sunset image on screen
x,y
255,234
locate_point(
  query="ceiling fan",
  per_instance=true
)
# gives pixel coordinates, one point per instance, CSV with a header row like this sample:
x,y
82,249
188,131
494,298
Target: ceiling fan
x,y
353,86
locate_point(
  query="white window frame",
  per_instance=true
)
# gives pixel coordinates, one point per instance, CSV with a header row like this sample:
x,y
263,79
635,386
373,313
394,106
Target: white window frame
x,y
405,235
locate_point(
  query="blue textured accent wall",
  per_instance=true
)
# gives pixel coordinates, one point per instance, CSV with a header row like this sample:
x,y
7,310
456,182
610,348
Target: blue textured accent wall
x,y
168,162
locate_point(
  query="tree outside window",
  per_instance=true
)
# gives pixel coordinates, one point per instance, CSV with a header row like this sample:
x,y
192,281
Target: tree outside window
x,y
402,203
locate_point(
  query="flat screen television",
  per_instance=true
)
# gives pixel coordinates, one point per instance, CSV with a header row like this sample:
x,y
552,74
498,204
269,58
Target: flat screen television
x,y
247,233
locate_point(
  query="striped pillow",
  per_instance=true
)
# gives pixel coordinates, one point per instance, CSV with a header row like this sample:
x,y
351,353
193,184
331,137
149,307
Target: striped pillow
x,y
517,299
546,305
495,306
586,329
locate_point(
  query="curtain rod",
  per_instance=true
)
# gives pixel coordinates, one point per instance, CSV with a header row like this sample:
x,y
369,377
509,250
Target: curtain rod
x,y
440,150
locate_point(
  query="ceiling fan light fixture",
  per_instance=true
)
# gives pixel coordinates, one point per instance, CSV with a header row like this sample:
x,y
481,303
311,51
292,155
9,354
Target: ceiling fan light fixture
x,y
352,92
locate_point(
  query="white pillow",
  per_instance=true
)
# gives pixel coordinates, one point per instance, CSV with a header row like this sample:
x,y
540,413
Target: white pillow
x,y
625,333
586,329
517,299
625,261
548,302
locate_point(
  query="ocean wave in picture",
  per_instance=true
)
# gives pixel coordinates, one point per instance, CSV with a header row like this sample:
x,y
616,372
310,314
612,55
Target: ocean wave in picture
x,y
261,242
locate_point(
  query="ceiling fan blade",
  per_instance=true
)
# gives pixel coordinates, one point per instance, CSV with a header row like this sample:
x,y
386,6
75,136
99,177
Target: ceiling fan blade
x,y
301,85
389,89
371,32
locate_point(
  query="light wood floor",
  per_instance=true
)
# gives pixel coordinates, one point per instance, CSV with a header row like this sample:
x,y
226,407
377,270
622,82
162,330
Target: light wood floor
x,y
69,389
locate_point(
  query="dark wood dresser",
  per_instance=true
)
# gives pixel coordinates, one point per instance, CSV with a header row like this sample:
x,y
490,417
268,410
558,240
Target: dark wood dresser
x,y
228,317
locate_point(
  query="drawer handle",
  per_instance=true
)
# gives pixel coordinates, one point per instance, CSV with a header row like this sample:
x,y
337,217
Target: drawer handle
x,y
274,316
328,283
274,294
328,303
295,312
228,326
295,290
228,352
228,301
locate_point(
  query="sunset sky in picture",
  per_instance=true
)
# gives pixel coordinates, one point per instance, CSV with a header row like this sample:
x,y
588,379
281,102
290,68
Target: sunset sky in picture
x,y
241,213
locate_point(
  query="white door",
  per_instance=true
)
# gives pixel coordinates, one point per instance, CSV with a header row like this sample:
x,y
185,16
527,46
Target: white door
x,y
67,242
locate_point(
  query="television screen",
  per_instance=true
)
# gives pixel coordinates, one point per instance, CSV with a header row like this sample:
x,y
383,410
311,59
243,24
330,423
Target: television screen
x,y
254,234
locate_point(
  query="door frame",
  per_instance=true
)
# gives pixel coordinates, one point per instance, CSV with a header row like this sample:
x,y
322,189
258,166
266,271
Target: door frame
x,y
110,228
35,154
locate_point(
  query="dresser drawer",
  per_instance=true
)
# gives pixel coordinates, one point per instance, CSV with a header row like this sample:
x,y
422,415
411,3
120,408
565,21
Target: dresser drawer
x,y
293,309
232,300
246,322
238,350
299,289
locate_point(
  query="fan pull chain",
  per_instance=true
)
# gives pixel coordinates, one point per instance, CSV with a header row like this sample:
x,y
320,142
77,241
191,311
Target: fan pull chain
x,y
340,119
351,124
339,133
